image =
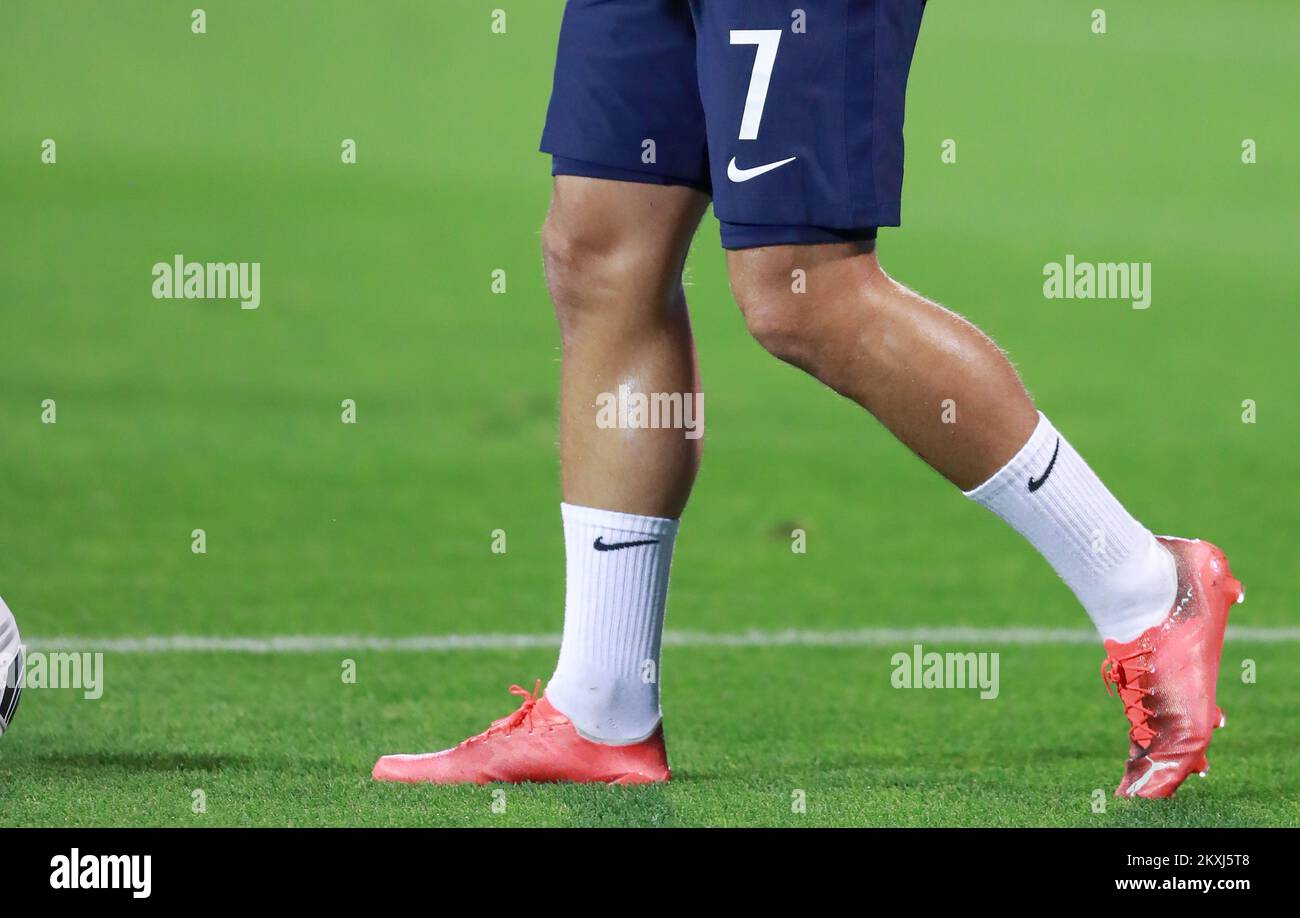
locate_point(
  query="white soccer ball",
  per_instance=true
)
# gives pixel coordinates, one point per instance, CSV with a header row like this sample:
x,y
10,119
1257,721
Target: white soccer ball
x,y
11,667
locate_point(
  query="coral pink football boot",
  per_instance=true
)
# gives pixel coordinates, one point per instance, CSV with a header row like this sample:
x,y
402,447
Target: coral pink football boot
x,y
1166,676
535,743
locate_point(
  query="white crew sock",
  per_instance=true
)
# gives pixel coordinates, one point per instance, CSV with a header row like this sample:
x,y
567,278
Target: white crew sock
x,y
1122,575
607,680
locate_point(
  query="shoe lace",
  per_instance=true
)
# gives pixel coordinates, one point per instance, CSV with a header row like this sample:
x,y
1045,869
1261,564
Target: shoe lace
x,y
1125,673
511,721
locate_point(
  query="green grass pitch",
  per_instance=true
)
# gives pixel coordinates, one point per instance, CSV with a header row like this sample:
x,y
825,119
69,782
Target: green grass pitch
x,y
174,415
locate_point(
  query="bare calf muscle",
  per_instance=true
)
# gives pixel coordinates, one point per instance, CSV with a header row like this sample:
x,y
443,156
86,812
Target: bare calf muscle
x,y
614,253
909,361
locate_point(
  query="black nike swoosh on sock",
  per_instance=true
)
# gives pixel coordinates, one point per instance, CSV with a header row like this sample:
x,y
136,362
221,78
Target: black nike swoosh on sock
x,y
601,545
1036,483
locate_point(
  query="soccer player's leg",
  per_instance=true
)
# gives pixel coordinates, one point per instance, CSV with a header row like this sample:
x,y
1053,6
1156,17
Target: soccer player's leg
x,y
621,220
1160,604
800,199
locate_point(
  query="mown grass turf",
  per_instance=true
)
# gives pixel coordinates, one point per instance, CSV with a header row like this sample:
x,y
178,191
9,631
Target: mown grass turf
x,y
176,415
282,741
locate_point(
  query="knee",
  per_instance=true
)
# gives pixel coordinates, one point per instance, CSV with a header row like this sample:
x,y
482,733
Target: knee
x,y
775,325
577,264
804,303
600,273
776,313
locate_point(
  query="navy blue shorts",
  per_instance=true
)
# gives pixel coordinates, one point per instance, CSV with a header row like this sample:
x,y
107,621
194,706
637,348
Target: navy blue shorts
x,y
788,112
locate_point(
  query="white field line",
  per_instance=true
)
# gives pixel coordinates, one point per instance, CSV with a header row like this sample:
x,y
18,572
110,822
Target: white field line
x,y
438,643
